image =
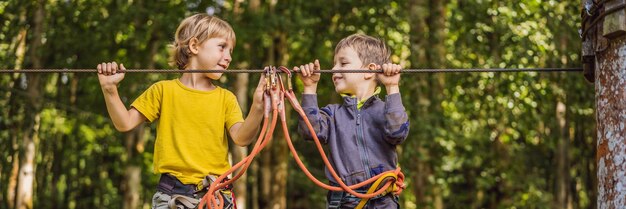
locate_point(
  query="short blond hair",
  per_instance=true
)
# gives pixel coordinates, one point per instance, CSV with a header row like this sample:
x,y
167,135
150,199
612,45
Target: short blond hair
x,y
368,48
201,27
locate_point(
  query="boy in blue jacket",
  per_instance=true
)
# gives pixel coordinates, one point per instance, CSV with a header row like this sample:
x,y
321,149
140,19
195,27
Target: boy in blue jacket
x,y
362,133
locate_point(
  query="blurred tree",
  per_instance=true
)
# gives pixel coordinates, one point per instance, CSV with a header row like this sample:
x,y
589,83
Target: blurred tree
x,y
478,140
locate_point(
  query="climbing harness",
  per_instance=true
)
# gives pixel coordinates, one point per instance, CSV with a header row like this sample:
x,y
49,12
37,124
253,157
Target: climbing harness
x,y
183,196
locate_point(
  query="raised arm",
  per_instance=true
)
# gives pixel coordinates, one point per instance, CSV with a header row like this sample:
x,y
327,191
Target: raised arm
x,y
123,119
396,118
319,119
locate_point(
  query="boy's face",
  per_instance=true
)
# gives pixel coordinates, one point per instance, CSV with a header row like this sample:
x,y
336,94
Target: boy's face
x,y
347,59
214,54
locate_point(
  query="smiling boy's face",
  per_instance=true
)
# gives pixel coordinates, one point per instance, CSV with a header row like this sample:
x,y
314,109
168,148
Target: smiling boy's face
x,y
347,59
215,54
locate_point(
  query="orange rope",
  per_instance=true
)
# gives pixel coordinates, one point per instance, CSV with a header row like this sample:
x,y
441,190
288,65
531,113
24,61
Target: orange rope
x,y
274,99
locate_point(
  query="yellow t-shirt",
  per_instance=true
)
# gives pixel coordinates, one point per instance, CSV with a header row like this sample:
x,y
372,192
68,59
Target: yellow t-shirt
x,y
190,140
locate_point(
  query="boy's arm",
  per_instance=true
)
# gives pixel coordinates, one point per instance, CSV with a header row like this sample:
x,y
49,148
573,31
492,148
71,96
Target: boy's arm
x,y
396,119
123,119
320,119
243,133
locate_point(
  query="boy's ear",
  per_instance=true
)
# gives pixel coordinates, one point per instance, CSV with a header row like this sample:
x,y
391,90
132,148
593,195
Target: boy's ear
x,y
193,45
371,66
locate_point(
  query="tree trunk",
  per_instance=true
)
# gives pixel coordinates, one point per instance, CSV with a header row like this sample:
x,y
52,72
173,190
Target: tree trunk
x,y
131,183
134,140
12,124
437,25
610,80
30,127
436,59
419,12
562,162
280,151
252,176
237,152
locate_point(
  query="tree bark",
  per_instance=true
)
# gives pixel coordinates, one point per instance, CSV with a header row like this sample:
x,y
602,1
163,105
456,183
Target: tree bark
x,y
252,176
610,80
241,92
13,124
30,128
131,183
562,161
419,43
436,21
238,153
280,151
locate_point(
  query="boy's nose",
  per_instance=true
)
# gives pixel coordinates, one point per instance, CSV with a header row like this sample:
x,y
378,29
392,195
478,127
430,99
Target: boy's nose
x,y
227,57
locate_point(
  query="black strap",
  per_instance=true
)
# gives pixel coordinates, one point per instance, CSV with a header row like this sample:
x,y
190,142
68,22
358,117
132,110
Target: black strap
x,y
334,199
170,185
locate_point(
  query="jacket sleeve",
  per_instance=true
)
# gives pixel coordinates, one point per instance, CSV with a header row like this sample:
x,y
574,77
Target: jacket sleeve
x,y
320,119
396,120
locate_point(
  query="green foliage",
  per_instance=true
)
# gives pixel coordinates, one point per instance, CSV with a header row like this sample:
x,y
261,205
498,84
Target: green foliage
x,y
478,140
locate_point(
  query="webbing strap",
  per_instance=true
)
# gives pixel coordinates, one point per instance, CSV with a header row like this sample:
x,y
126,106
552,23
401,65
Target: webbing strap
x,y
188,202
375,185
334,202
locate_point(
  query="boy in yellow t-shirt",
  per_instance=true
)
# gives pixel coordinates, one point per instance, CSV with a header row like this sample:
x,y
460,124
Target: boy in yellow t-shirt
x,y
192,112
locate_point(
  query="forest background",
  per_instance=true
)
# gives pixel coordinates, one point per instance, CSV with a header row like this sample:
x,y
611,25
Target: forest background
x,y
477,140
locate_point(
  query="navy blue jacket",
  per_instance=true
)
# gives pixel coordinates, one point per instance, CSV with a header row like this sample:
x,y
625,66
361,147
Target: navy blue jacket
x,y
362,141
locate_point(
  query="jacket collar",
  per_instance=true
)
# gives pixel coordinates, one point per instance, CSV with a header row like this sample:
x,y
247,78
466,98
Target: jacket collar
x,y
350,100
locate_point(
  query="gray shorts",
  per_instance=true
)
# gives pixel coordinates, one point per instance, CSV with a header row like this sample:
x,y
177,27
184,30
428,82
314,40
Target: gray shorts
x,y
161,200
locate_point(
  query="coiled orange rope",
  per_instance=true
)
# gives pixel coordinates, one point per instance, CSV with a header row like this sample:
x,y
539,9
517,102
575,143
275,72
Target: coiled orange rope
x,y
274,100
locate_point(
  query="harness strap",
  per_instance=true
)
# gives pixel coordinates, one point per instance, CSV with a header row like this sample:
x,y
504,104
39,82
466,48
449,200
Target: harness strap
x,y
188,202
187,195
375,185
334,202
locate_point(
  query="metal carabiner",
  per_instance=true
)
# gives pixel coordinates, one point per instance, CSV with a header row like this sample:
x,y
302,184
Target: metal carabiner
x,y
273,76
268,83
288,72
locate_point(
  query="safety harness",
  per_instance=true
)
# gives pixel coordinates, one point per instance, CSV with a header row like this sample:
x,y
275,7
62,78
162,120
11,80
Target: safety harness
x,y
186,196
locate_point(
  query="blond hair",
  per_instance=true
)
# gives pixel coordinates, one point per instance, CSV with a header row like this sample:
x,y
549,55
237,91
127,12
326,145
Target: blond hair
x,y
201,27
368,48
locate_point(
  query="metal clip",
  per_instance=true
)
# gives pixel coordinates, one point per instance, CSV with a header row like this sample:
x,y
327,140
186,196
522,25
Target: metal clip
x,y
267,78
289,86
273,76
288,72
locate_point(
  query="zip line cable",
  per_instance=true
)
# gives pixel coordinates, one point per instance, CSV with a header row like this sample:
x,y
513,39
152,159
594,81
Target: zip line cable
x,y
457,70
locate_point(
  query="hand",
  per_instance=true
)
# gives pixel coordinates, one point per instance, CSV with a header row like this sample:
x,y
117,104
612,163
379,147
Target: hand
x,y
257,97
108,76
307,74
390,76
